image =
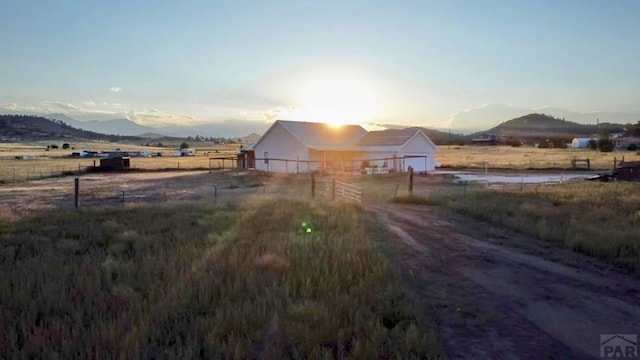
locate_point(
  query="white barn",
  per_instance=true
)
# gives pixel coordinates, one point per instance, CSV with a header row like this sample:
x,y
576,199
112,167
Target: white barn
x,y
292,147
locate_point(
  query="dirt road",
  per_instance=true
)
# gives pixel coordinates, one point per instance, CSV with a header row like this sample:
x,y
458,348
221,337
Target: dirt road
x,y
497,294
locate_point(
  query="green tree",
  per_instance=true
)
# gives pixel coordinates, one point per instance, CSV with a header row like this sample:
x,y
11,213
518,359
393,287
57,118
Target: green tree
x,y
605,144
184,145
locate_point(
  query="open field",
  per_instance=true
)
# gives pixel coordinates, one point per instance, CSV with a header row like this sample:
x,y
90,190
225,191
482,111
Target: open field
x,y
489,289
56,162
237,280
526,157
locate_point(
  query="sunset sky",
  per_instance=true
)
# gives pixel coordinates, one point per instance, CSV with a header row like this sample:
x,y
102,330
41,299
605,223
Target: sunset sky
x,y
382,62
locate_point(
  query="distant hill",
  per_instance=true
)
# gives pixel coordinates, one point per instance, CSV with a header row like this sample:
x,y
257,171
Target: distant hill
x,y
545,126
28,127
441,138
489,115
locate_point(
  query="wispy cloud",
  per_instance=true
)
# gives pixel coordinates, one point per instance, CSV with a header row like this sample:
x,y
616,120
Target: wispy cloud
x,y
16,107
89,103
277,113
115,89
156,117
59,106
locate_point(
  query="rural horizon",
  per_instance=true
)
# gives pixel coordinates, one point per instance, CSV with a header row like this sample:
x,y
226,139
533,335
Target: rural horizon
x,y
459,66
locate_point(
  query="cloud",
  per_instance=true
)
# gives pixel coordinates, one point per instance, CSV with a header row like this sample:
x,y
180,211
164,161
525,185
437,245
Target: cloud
x,y
156,117
89,103
13,107
115,89
277,113
60,106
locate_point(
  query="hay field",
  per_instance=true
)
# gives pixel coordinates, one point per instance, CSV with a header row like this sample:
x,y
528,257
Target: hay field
x,y
40,163
526,157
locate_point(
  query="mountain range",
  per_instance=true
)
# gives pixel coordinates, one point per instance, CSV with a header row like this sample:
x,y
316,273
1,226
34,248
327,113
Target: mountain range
x,y
467,121
529,127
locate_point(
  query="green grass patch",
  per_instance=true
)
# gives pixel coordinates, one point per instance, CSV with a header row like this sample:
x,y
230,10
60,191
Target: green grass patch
x,y
598,219
202,280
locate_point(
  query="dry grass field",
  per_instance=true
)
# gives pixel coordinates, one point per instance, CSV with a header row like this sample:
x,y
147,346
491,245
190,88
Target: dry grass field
x,y
525,157
248,277
40,163
174,271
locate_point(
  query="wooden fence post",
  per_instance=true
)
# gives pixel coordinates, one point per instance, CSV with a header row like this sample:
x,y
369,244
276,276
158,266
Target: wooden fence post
x,y
333,189
313,185
76,193
410,180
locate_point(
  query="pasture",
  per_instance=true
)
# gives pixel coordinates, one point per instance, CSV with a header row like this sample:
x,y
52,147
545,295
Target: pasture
x,y
254,277
526,157
42,163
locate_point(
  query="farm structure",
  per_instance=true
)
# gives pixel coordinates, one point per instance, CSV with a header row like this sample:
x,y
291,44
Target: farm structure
x,y
580,143
627,143
116,163
628,171
486,139
399,149
247,157
293,147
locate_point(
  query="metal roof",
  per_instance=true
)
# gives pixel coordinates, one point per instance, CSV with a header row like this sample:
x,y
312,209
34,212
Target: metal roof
x,y
388,137
324,136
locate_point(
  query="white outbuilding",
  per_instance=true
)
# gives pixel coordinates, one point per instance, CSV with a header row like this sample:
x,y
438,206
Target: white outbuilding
x,y
580,143
399,149
293,147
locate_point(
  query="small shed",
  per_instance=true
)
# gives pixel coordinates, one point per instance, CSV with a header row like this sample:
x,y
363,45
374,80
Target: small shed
x,y
580,143
628,171
486,139
247,157
116,163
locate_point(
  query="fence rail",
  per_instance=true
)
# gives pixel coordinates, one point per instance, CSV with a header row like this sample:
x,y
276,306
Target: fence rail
x,y
347,191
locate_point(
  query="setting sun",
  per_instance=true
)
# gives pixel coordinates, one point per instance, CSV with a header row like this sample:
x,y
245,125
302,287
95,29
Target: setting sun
x,y
338,99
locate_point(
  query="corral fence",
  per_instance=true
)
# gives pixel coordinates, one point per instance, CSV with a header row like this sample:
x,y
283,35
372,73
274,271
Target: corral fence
x,y
381,165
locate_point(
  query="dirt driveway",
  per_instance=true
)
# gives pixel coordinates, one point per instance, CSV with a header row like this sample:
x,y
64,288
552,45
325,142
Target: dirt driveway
x,y
497,294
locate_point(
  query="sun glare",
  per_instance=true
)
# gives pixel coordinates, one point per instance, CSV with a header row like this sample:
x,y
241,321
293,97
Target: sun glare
x,y
338,99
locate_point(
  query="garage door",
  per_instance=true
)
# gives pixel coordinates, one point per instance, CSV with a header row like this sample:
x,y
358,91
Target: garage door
x,y
418,163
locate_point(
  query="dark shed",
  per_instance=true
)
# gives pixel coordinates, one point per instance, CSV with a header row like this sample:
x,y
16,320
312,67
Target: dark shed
x,y
116,163
628,171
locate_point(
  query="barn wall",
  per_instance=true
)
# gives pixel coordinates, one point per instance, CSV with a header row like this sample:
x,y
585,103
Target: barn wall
x,y
334,160
419,146
280,144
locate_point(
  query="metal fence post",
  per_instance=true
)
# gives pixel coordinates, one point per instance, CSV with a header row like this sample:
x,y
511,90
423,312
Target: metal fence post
x,y
76,192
